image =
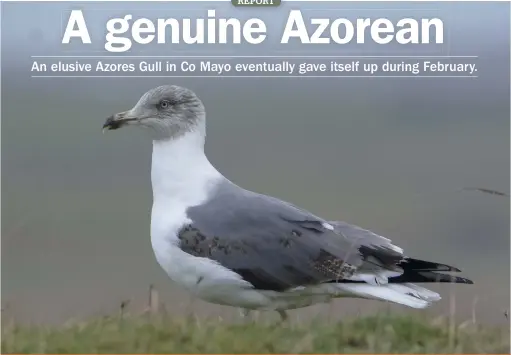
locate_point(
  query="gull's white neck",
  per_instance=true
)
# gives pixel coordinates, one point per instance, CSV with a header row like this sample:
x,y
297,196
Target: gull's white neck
x,y
180,171
181,177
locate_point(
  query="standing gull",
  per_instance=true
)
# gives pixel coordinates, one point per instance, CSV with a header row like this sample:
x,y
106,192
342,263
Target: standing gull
x,y
235,247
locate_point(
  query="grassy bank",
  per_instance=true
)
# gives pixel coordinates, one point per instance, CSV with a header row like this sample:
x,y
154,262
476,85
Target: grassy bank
x,y
139,334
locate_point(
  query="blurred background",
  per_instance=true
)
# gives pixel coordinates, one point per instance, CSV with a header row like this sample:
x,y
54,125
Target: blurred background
x,y
389,155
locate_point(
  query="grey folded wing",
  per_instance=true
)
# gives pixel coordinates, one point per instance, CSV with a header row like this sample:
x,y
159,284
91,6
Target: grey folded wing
x,y
277,246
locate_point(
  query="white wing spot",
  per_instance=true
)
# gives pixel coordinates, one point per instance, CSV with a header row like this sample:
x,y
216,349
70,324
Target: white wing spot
x,y
396,248
328,226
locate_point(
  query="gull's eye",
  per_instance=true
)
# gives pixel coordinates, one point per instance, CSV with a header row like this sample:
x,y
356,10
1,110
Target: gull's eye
x,y
164,104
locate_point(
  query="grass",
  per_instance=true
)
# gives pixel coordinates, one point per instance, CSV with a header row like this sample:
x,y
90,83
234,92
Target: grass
x,y
142,334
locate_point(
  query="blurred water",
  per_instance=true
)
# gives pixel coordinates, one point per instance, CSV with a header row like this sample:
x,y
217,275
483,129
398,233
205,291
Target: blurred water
x,y
387,154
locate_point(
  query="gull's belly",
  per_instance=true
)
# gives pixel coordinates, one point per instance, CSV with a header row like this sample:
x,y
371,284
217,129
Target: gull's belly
x,y
204,278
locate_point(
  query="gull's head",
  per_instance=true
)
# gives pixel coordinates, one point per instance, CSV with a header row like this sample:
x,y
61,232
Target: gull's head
x,y
167,111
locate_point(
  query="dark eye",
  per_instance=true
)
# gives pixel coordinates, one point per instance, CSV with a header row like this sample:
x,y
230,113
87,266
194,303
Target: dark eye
x,y
164,104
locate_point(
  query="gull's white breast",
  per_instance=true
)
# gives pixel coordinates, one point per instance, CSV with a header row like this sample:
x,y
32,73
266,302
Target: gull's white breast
x,y
182,177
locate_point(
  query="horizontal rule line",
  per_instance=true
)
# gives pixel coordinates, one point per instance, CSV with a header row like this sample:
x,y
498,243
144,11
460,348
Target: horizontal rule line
x,y
254,76
254,56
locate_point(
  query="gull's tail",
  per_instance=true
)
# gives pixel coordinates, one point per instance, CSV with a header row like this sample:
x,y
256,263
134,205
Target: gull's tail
x,y
400,288
405,294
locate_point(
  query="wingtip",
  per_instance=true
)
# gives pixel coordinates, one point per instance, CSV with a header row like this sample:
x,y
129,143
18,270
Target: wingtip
x,y
423,265
462,280
446,268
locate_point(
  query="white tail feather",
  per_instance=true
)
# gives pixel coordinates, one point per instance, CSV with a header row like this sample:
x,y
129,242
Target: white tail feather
x,y
424,293
406,294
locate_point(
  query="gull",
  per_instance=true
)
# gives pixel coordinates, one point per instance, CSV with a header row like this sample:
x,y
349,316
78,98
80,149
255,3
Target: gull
x,y
231,246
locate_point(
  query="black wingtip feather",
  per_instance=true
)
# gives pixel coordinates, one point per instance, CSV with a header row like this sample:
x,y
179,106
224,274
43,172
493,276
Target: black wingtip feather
x,y
422,265
429,277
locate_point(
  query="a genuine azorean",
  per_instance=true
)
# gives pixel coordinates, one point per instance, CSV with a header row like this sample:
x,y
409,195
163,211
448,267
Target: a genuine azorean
x,y
235,247
213,30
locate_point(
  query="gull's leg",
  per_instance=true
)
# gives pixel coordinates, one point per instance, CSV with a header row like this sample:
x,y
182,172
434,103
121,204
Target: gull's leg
x,y
245,313
194,295
191,304
283,315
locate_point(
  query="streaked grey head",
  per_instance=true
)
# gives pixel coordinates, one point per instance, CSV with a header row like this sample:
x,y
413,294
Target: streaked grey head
x,y
167,111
